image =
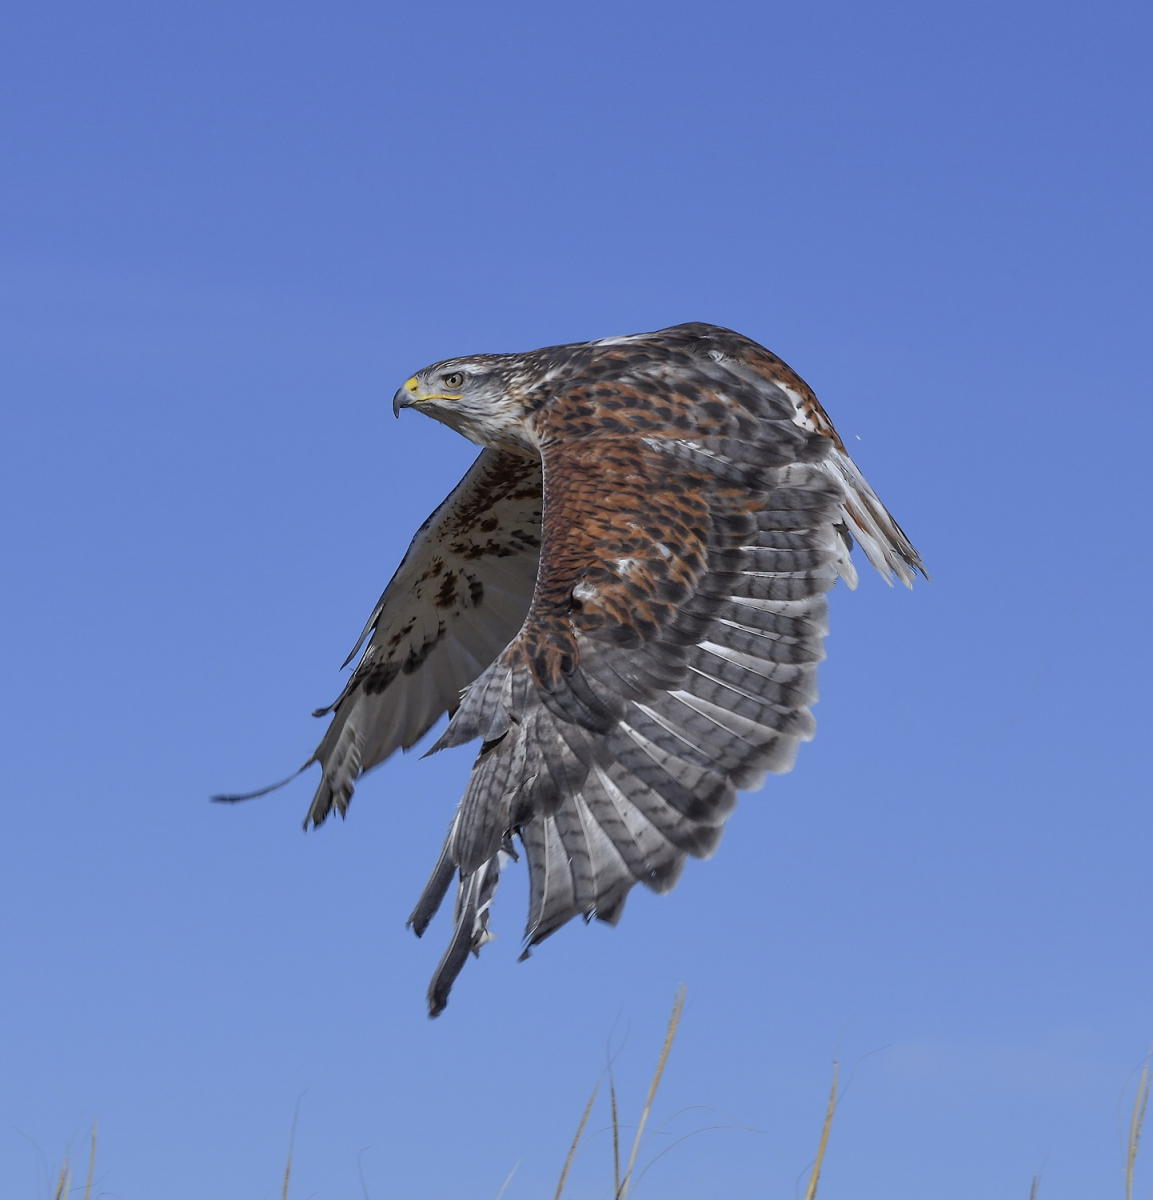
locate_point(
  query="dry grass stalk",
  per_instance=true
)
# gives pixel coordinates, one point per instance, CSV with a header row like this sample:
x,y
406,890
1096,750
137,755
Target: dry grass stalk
x,y
621,1182
622,1190
291,1148
613,1112
1035,1187
91,1174
503,1186
575,1142
1136,1121
822,1146
64,1179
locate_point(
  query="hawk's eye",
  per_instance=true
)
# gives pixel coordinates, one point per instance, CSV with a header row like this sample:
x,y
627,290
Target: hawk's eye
x,y
453,379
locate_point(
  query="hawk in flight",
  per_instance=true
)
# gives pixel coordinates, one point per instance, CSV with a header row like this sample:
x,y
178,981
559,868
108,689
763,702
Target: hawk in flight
x,y
623,600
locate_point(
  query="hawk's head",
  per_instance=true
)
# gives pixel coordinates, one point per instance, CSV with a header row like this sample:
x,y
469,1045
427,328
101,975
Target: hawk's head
x,y
482,397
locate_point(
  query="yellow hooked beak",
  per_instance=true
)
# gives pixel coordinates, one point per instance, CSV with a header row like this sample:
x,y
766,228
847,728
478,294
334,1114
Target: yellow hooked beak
x,y
409,394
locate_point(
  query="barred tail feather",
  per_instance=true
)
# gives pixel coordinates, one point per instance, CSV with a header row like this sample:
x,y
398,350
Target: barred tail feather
x,y
473,897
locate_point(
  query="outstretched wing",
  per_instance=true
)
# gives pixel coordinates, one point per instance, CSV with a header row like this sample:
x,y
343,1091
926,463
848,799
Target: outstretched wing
x,y
457,598
692,525
459,595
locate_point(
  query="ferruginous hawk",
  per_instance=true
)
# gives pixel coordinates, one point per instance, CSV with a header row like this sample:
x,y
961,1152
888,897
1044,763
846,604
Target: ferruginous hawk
x,y
623,600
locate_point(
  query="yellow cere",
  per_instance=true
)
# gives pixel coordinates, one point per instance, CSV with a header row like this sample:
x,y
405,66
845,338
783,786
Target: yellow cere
x,y
411,385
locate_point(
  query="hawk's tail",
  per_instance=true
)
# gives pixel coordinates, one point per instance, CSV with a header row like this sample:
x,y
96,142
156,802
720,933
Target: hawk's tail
x,y
470,920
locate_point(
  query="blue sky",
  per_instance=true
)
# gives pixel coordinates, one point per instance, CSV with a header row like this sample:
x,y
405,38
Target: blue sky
x,y
228,233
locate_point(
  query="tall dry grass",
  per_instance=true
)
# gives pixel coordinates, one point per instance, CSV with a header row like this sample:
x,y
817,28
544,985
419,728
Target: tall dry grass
x,y
626,1177
64,1179
623,1181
